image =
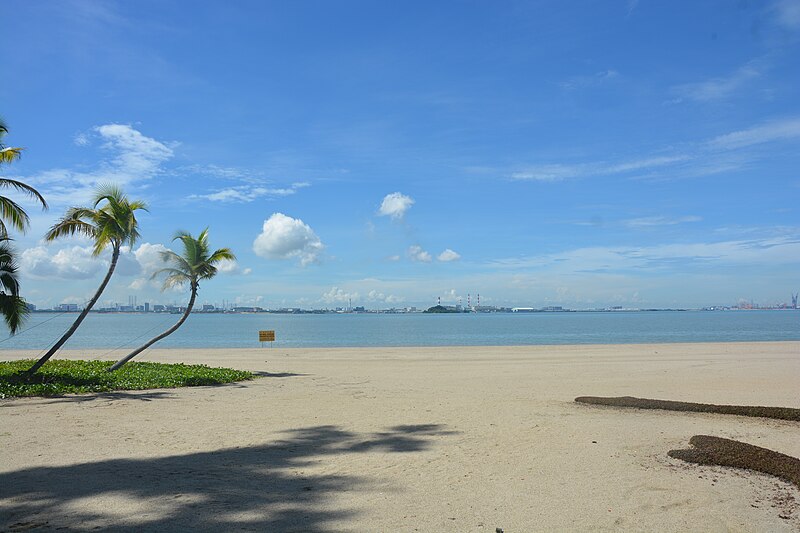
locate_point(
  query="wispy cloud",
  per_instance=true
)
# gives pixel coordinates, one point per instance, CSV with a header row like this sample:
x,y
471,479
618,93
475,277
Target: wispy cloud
x,y
558,172
720,87
777,130
788,13
645,222
723,153
598,78
684,257
221,172
249,193
132,158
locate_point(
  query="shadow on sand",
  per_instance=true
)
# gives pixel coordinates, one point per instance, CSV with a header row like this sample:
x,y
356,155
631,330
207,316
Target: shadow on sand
x,y
255,488
142,396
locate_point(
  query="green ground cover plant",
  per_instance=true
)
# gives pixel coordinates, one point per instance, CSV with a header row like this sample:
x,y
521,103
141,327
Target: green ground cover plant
x,y
76,377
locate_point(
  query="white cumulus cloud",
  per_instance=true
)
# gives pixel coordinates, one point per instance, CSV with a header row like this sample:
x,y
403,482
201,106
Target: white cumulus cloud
x,y
149,261
395,205
449,255
377,296
229,266
77,262
284,237
416,253
337,295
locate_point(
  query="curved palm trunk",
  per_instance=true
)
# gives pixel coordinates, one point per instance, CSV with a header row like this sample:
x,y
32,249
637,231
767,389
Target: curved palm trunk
x,y
74,327
157,338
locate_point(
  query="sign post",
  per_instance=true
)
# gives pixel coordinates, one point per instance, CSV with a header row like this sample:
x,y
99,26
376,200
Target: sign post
x,y
266,335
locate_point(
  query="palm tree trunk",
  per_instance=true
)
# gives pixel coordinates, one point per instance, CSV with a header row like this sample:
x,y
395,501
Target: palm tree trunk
x,y
157,338
86,309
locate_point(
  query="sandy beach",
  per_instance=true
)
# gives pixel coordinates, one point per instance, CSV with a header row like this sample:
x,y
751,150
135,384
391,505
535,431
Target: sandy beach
x,y
408,439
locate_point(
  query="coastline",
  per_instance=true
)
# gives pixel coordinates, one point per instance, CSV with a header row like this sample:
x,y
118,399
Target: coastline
x,y
434,438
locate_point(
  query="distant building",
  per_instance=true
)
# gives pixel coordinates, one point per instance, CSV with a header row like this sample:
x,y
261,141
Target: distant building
x,y
147,307
158,308
67,308
208,307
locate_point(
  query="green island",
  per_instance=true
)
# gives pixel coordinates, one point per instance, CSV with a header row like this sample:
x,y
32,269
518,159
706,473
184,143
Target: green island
x,y
442,309
78,377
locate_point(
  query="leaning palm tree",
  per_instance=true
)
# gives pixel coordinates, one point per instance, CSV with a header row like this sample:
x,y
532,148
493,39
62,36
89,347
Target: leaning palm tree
x,y
12,306
112,224
194,265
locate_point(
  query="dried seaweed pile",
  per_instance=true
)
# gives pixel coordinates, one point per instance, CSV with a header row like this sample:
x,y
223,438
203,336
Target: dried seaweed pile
x,y
780,413
708,450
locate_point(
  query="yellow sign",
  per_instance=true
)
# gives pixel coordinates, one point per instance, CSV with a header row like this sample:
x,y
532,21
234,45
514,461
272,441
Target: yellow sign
x,y
266,335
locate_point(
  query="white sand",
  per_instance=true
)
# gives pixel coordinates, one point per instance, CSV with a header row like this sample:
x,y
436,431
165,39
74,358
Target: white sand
x,y
409,439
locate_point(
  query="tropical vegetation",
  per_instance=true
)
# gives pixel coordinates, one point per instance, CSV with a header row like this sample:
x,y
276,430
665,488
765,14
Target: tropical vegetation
x,y
195,264
12,306
68,376
110,222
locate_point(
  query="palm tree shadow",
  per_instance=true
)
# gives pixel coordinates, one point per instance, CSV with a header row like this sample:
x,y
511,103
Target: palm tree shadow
x,y
254,488
142,396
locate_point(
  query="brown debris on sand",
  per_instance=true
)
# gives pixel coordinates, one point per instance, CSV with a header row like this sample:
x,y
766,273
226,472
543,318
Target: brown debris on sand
x,y
780,413
710,450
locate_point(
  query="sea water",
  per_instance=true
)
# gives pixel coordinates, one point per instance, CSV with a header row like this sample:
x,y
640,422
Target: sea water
x,y
111,331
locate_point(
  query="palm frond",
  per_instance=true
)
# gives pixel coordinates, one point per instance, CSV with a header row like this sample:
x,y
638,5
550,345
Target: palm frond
x,y
9,280
14,311
177,262
195,263
8,155
208,269
73,223
174,277
13,213
223,254
23,187
110,192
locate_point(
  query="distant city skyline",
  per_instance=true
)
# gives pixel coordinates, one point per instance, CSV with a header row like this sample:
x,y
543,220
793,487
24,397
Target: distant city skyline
x,y
160,306
635,154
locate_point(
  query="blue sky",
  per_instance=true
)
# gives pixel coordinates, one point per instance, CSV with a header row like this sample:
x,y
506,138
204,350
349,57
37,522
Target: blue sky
x,y
632,153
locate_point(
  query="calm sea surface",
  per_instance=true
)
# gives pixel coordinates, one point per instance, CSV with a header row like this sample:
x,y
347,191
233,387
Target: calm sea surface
x,y
241,331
